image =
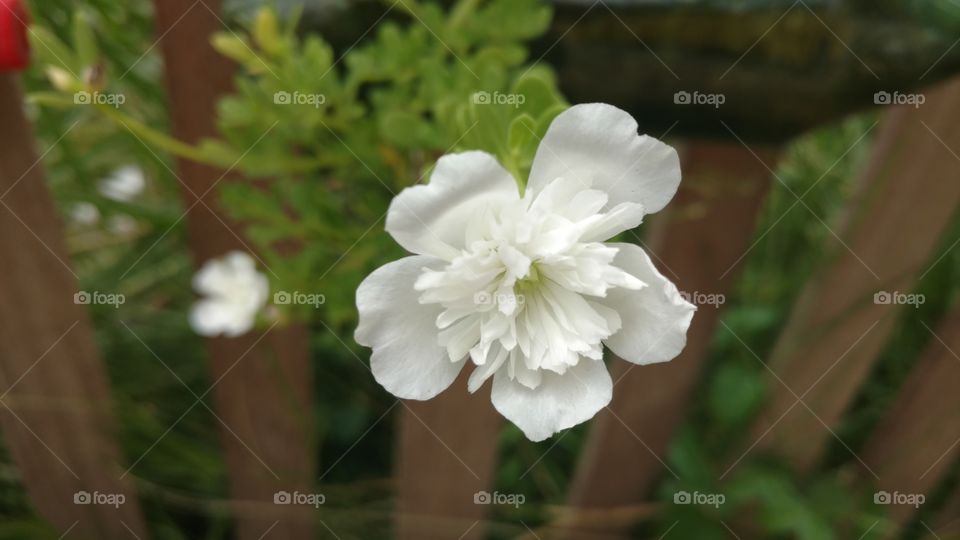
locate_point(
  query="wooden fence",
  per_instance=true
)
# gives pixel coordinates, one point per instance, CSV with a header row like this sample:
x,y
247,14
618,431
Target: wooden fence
x,y
54,406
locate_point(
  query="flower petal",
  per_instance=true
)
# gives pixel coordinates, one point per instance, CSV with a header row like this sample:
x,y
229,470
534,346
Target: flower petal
x,y
215,317
599,142
559,401
622,217
432,219
654,319
407,360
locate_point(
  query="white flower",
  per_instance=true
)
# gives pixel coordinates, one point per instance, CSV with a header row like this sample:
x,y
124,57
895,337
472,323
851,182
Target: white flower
x,y
84,213
124,184
234,293
523,287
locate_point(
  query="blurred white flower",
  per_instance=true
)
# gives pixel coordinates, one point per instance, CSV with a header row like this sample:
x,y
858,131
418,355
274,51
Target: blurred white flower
x,y
84,213
524,287
124,184
234,292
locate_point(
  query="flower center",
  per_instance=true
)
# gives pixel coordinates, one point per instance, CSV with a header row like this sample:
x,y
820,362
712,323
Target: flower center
x,y
524,293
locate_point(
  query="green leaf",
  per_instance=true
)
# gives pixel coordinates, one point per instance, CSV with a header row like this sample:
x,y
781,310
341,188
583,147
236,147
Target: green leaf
x,y
688,459
509,20
318,55
523,144
734,393
489,125
85,42
539,89
522,135
233,47
401,128
266,32
50,50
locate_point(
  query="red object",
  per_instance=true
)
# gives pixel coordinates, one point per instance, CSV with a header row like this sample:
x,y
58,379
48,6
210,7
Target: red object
x,y
14,49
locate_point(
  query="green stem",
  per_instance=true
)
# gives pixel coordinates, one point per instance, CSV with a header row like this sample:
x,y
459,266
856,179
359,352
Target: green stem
x,y
169,144
154,137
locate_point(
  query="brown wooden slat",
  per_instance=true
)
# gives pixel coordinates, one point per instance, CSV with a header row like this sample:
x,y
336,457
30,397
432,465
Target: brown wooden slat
x,y
698,238
446,452
55,407
264,397
915,444
905,200
946,526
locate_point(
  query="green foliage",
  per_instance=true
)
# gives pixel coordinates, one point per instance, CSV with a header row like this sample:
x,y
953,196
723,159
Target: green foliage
x,y
754,498
777,502
735,392
362,127
320,177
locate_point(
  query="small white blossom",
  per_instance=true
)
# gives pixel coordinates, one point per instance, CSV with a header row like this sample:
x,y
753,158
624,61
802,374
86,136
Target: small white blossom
x,y
523,286
124,184
234,293
84,213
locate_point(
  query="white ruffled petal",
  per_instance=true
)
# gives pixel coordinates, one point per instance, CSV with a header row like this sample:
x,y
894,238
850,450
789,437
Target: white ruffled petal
x,y
432,219
599,143
558,402
654,319
407,359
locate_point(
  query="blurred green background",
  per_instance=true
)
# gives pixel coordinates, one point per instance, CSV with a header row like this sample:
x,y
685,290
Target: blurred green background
x,y
182,480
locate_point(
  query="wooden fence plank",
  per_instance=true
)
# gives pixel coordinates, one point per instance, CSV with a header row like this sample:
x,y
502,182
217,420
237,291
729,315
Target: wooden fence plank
x,y
446,452
697,242
55,407
946,526
906,198
263,398
915,444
